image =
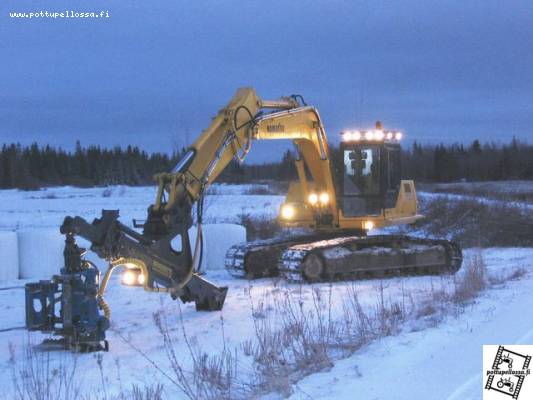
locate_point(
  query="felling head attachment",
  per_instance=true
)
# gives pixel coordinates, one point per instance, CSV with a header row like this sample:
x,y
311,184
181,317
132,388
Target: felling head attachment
x,y
77,320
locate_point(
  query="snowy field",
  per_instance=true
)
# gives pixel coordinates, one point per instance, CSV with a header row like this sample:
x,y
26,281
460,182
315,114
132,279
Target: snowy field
x,y
505,187
520,191
425,356
48,207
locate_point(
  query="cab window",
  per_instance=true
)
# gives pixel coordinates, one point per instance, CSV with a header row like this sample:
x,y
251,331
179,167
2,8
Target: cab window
x,y
361,171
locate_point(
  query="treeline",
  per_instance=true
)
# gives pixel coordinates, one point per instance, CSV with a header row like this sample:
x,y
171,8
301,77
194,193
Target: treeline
x,y
31,167
34,166
475,162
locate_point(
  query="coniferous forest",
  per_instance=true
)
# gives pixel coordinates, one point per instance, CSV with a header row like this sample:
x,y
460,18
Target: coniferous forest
x,y
34,166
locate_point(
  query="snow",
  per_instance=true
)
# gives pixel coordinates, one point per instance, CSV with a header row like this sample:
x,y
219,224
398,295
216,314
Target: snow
x,y
489,202
48,207
423,357
9,263
421,362
337,252
446,360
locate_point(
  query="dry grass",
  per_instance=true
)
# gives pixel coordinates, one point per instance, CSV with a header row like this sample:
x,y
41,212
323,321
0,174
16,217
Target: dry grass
x,y
154,392
473,280
515,274
295,333
211,376
506,190
292,341
293,338
258,228
37,377
476,224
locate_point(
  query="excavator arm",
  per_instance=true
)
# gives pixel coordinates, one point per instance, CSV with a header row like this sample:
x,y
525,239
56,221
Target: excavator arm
x,y
229,136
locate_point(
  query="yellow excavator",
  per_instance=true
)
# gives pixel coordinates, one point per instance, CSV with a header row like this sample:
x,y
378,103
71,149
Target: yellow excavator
x,y
336,204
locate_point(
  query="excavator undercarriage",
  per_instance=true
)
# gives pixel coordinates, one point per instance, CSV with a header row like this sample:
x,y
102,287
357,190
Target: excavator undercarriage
x,y
333,257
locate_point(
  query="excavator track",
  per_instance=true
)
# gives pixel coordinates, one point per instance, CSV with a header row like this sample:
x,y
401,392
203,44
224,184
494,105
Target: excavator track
x,y
341,258
372,256
260,259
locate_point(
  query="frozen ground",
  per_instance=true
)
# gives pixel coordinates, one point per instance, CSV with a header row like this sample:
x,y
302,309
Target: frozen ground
x,y
518,186
519,191
442,362
439,363
526,206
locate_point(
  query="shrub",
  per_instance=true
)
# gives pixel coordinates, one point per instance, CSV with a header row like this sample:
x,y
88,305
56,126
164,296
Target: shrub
x,y
258,228
473,280
474,223
262,190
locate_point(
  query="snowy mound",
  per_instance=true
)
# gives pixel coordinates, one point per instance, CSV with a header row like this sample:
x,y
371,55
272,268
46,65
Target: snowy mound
x,y
9,268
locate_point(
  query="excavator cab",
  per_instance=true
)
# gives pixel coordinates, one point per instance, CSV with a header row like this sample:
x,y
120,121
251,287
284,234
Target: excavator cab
x,y
362,191
370,173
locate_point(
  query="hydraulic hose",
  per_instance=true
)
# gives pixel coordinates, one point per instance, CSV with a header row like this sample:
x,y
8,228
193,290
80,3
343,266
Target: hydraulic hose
x,y
104,306
245,149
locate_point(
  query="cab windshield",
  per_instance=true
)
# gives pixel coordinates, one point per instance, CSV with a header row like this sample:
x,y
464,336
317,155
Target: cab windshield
x,y
361,171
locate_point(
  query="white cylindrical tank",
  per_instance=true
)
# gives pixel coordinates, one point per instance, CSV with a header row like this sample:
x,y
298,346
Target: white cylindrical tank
x,y
176,245
40,253
218,238
221,237
9,258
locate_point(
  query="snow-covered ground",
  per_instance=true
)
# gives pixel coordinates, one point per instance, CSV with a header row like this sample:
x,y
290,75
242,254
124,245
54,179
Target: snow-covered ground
x,y
437,362
48,207
444,362
516,187
441,360
526,206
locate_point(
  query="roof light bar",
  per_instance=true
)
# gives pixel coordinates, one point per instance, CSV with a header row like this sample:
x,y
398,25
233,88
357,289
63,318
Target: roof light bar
x,y
377,135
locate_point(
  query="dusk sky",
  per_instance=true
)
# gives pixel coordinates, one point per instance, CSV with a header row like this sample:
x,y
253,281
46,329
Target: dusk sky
x,y
155,72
